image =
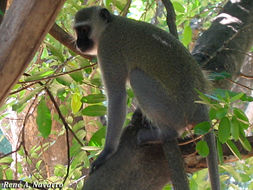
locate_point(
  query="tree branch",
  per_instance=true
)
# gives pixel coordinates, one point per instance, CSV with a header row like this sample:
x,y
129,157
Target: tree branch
x,y
66,39
26,21
171,17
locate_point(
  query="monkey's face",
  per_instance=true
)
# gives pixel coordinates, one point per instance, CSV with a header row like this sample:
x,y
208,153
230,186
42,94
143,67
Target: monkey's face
x,y
84,42
89,26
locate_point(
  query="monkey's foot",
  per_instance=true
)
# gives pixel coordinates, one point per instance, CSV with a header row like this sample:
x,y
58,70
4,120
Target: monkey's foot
x,y
102,158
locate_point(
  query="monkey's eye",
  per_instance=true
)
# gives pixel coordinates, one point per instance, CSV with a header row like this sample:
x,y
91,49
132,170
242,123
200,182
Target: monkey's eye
x,y
83,30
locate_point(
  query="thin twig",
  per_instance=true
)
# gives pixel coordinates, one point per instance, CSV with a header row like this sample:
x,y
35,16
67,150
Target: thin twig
x,y
14,151
23,88
66,128
190,141
126,8
246,76
57,75
239,84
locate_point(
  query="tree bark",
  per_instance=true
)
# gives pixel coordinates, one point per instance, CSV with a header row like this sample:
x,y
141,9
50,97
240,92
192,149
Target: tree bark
x,y
221,48
24,27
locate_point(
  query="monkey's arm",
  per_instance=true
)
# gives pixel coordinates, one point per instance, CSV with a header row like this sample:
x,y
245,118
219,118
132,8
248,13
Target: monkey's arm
x,y
116,96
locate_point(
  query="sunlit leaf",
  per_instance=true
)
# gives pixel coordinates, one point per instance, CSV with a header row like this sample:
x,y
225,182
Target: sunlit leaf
x,y
76,103
39,75
96,139
178,7
187,35
6,160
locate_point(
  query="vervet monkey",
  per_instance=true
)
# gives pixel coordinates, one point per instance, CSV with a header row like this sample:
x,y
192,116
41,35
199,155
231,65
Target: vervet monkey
x,y
162,73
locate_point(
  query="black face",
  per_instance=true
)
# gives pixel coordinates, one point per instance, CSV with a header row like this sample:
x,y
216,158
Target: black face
x,y
83,41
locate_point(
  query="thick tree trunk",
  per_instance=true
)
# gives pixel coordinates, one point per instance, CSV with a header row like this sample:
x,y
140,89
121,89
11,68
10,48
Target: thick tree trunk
x,y
221,48
24,27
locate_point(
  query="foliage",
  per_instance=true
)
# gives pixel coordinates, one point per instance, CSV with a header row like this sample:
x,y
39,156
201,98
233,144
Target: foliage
x,y
81,94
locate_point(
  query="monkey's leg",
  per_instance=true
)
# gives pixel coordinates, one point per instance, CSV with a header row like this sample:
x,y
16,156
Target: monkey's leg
x,y
175,162
163,112
212,158
212,161
116,113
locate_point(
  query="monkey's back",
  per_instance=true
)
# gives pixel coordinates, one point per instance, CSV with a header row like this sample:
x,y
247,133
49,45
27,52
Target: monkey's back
x,y
159,55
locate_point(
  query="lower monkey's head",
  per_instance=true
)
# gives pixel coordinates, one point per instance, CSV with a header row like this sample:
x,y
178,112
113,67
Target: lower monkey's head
x,y
89,25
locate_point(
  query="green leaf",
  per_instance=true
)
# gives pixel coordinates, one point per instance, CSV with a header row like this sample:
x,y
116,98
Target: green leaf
x,y
212,113
93,98
6,160
96,81
187,35
237,97
224,130
43,119
245,143
9,173
247,98
202,148
38,164
222,112
245,177
240,114
95,110
96,139
77,76
56,51
235,128
76,103
178,7
64,80
44,54
204,97
62,93
25,99
233,149
202,128
220,152
59,170
40,75
107,3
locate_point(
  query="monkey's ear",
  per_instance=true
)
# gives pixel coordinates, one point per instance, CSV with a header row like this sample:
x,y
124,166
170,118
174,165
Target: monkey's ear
x,y
106,15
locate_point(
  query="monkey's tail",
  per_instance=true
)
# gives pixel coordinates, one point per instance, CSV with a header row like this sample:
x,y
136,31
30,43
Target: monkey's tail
x,y
176,165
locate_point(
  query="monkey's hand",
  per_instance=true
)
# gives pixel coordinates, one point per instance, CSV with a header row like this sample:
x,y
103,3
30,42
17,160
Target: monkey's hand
x,y
104,155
